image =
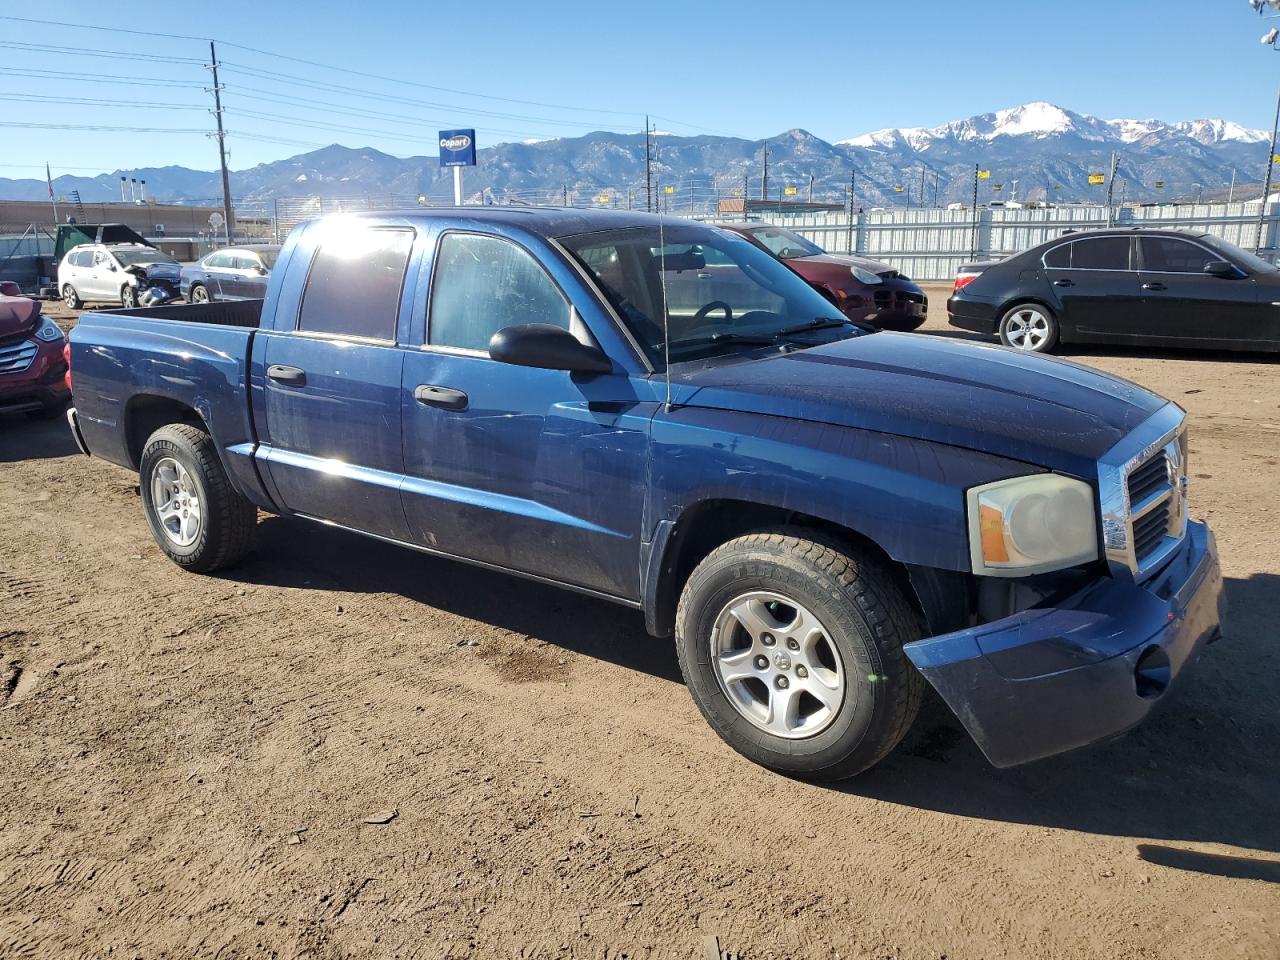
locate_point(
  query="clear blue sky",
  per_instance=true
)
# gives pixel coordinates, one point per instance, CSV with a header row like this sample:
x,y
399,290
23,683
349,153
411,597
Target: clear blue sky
x,y
748,69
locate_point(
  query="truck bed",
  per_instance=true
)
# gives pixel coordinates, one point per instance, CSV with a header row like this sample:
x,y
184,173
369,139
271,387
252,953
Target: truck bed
x,y
234,313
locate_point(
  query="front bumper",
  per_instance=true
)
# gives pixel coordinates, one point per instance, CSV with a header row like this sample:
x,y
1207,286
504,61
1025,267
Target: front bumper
x,y
1054,678
40,386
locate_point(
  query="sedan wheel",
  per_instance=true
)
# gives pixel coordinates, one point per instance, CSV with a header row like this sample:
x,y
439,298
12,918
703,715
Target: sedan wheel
x,y
199,294
1029,327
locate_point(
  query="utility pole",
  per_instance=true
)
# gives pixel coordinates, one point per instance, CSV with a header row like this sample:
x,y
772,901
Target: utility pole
x,y
648,177
852,175
1231,191
811,188
1111,190
764,175
920,196
935,188
746,192
564,194
228,215
973,252
1266,185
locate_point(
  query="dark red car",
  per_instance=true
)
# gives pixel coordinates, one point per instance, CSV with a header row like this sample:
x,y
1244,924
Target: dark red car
x,y
32,368
867,291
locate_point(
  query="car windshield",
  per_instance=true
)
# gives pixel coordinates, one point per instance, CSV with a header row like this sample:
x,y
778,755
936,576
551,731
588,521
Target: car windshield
x,y
784,244
268,257
716,291
1247,260
131,258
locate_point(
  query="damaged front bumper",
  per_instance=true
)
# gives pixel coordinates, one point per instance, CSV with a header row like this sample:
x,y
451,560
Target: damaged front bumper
x,y
1053,678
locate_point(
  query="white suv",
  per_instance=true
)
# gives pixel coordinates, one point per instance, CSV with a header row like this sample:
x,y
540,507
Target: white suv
x,y
112,272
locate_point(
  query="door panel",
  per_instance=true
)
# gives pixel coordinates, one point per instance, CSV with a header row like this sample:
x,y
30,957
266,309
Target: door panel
x,y
335,436
1182,305
542,472
1100,296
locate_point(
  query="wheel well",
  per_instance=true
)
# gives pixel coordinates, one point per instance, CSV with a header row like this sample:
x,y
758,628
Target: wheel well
x,y
1019,301
707,525
146,414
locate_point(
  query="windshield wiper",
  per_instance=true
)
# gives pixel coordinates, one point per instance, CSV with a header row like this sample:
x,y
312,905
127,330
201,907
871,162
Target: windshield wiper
x,y
817,323
747,338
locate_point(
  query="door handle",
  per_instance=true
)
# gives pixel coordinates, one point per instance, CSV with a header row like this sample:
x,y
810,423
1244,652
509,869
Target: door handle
x,y
1064,282
289,376
1155,285
445,397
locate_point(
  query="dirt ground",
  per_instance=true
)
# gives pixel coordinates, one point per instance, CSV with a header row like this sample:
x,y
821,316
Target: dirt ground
x,y
189,762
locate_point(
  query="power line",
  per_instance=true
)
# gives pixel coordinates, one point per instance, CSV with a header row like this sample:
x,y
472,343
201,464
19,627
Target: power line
x,y
96,52
102,128
86,101
98,77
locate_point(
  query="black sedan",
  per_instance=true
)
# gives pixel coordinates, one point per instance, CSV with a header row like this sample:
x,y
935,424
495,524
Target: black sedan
x,y
233,273
1163,288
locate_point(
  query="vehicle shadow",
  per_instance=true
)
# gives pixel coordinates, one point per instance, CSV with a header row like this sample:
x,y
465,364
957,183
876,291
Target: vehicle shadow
x,y
1205,768
1202,770
23,438
300,554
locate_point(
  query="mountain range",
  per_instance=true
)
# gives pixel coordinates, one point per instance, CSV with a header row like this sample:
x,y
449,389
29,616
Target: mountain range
x,y
1049,151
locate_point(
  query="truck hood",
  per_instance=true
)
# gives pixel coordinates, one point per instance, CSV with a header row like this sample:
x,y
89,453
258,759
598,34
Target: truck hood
x,y
1039,410
18,315
160,270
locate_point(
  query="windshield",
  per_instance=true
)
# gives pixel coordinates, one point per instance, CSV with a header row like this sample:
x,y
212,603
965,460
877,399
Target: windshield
x,y
784,244
268,256
131,258
722,293
1250,262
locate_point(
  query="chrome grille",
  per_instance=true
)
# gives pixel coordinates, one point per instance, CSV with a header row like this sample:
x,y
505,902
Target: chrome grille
x,y
1143,483
16,357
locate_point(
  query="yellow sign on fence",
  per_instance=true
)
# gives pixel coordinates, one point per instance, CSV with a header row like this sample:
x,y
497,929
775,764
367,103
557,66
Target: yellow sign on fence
x,y
668,189
603,198
1097,178
789,191
984,174
897,189
1159,184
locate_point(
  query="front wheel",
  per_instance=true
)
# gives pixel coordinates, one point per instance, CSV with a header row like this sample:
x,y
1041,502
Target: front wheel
x,y
198,519
791,645
129,296
70,297
1029,327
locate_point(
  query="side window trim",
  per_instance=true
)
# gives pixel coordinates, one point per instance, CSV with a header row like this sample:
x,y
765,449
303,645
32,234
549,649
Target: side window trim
x,y
296,329
426,344
1131,268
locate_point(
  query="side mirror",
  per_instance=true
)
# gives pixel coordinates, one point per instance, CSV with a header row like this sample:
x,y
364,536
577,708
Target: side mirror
x,y
548,347
1219,268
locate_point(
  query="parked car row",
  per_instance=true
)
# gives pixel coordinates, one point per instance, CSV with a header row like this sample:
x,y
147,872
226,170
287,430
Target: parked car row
x,y
123,273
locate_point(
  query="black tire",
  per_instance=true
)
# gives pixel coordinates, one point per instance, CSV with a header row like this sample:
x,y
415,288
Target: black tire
x,y
128,296
864,614
227,528
70,297
1029,317
199,294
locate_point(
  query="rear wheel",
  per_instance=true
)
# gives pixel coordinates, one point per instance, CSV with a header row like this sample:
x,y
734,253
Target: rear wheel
x,y
200,293
1029,327
196,516
791,645
70,297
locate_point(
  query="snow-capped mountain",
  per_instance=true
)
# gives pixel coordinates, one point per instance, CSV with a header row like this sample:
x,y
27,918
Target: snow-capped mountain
x,y
1048,150
1041,120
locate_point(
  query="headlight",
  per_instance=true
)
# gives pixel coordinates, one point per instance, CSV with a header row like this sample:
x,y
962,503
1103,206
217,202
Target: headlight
x,y
48,331
1031,525
865,276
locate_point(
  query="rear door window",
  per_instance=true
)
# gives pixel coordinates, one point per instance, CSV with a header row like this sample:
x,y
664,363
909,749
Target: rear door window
x,y
355,282
1171,255
1100,253
216,261
1059,257
485,283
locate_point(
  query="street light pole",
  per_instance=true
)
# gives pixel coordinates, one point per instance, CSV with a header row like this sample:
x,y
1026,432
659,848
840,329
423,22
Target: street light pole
x,y
1266,183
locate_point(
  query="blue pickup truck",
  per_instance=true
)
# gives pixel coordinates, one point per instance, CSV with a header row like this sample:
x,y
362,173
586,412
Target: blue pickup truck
x,y
655,412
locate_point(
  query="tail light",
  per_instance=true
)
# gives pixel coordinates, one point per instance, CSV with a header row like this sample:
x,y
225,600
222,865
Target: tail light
x,y
963,280
66,358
